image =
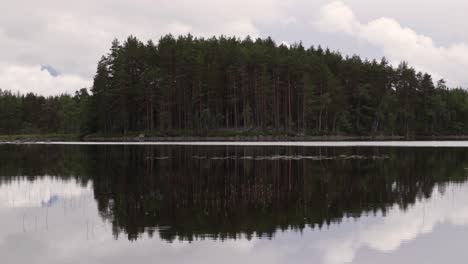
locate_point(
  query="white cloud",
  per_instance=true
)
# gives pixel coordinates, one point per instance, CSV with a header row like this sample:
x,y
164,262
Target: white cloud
x,y
397,42
288,21
26,79
240,28
337,17
73,36
179,28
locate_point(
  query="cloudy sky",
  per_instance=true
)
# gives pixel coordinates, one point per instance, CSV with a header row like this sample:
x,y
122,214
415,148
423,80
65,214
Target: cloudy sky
x,y
40,38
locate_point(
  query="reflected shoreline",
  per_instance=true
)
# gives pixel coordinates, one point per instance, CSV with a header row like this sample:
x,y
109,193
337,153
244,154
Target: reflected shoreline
x,y
197,192
425,144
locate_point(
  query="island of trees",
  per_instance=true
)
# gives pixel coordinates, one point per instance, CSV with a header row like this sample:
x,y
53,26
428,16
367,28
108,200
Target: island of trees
x,y
197,86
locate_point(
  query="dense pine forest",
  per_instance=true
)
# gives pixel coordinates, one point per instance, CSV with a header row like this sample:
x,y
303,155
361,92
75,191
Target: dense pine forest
x,y
194,86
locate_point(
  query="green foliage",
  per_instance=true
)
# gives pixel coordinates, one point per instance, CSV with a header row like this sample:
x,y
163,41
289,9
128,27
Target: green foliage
x,y
33,114
194,84
197,84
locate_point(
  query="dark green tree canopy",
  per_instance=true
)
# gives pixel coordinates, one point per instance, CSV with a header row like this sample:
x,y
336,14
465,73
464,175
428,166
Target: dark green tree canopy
x,y
196,86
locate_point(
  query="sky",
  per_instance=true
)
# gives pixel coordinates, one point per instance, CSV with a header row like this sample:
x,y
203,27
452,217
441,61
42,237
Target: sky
x,y
51,47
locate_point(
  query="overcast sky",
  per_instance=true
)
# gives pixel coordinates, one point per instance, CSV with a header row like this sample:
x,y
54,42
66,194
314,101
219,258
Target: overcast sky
x,y
71,36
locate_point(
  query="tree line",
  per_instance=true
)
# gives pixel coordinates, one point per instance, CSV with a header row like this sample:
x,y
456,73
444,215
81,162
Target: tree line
x,y
36,114
192,86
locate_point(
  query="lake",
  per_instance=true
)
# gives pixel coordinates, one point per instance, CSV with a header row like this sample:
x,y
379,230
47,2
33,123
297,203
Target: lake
x,y
368,202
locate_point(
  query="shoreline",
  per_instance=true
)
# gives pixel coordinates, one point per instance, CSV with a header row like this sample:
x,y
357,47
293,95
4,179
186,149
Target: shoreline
x,y
241,138
75,138
268,138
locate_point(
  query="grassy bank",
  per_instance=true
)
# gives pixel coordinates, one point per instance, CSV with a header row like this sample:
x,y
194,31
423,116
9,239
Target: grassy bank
x,y
214,135
39,137
230,135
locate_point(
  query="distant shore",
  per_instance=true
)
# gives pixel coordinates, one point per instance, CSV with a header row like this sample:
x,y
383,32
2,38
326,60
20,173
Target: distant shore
x,y
260,138
271,138
39,137
241,138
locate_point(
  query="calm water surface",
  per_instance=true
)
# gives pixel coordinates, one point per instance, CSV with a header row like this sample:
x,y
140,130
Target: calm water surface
x,y
233,204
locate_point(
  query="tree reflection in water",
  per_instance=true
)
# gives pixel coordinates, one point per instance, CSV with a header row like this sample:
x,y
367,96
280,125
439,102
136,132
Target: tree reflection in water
x,y
195,192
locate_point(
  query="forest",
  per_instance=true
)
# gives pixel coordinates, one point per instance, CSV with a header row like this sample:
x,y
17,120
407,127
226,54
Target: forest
x,y
196,86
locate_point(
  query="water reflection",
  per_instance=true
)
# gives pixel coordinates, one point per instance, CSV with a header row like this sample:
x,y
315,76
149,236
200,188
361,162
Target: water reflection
x,y
41,192
282,203
387,234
